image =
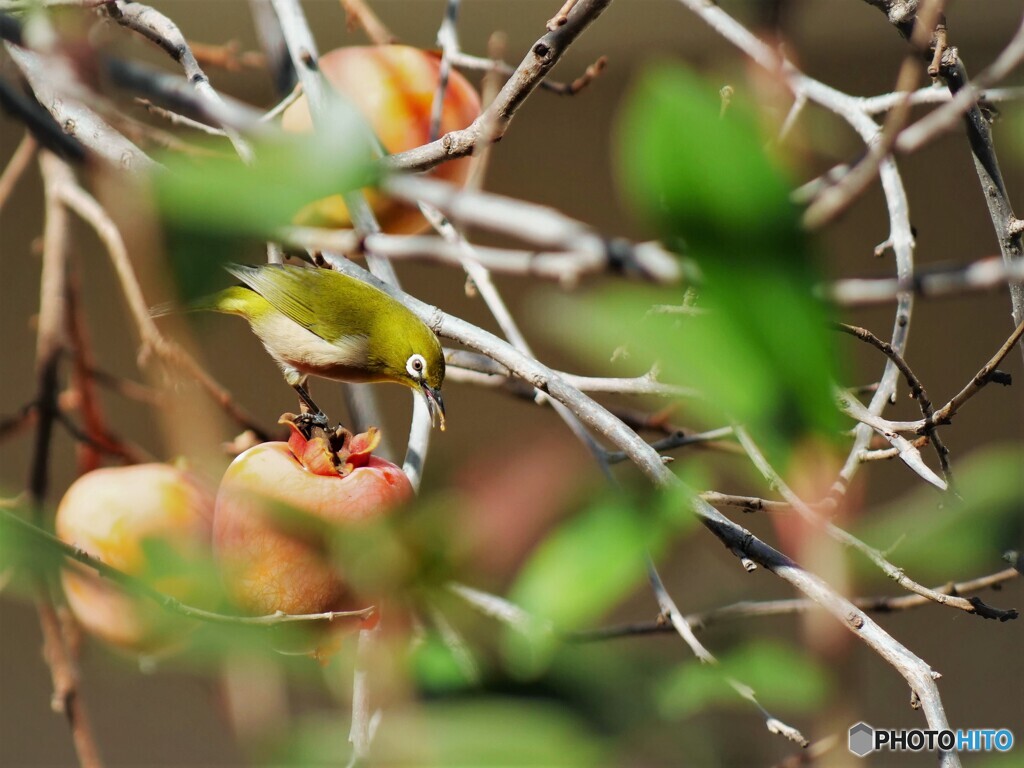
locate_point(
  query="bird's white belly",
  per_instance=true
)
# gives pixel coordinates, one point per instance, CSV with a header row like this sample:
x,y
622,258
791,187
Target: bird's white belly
x,y
304,352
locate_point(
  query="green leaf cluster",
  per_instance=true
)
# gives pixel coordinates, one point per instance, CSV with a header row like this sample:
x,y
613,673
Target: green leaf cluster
x,y
705,183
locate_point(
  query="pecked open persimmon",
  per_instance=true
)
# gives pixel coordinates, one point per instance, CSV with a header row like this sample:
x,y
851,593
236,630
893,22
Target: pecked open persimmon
x,y
272,558
150,521
393,87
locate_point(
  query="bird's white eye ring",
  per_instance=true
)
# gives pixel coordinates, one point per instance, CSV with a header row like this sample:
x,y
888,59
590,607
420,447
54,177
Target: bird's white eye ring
x,y
416,366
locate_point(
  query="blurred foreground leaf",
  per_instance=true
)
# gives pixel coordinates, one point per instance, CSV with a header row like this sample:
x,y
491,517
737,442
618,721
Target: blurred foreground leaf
x,y
487,732
435,667
23,555
942,537
591,562
211,204
762,353
779,676
474,732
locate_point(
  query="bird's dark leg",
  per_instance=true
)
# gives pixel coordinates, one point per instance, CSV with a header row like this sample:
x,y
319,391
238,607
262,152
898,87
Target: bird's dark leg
x,y
315,417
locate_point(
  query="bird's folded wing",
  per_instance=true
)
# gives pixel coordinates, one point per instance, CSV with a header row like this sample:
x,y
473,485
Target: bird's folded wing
x,y
290,290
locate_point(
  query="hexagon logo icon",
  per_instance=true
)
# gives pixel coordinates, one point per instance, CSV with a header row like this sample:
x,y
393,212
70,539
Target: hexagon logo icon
x,y
862,739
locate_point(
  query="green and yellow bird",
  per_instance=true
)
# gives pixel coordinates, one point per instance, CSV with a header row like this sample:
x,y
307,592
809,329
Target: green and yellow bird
x,y
318,322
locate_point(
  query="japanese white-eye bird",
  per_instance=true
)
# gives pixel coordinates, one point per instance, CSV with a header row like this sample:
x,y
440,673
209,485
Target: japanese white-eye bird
x,y
318,322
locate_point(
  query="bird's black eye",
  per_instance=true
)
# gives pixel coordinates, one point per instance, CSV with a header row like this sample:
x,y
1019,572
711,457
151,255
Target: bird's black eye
x,y
417,364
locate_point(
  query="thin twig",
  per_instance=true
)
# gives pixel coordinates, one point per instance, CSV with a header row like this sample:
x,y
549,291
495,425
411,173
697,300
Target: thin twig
x,y
485,64
19,163
560,18
448,40
181,120
945,414
682,627
917,390
359,13
950,113
536,224
282,105
681,439
228,56
933,94
747,609
981,275
18,421
462,363
98,439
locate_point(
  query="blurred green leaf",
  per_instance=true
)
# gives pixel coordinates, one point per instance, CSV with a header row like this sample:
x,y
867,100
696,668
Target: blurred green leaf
x,y
435,667
24,556
468,732
762,353
701,175
212,205
588,564
597,557
221,194
780,677
942,537
1011,759
405,552
486,732
1012,132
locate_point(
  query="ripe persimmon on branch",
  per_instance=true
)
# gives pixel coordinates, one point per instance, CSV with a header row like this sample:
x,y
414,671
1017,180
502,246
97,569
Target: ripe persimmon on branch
x,y
726,311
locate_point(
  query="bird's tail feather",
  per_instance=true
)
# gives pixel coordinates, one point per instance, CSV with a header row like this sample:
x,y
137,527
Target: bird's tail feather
x,y
231,301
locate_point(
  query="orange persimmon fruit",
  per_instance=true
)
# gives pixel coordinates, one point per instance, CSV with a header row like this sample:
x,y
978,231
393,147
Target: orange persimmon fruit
x,y
272,559
123,516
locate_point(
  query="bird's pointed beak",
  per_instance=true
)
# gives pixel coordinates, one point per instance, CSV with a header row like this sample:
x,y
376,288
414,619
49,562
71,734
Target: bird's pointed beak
x,y
435,404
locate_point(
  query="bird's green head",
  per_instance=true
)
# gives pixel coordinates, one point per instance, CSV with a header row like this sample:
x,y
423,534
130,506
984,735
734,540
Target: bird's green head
x,y
413,356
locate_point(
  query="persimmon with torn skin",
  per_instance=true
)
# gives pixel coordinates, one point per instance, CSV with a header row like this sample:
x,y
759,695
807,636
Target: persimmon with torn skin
x,y
393,88
280,503
151,521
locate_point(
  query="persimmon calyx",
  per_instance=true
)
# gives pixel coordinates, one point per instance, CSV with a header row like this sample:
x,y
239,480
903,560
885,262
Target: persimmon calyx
x,y
332,454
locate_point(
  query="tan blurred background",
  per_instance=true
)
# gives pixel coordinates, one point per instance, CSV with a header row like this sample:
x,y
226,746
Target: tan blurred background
x,y
558,152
